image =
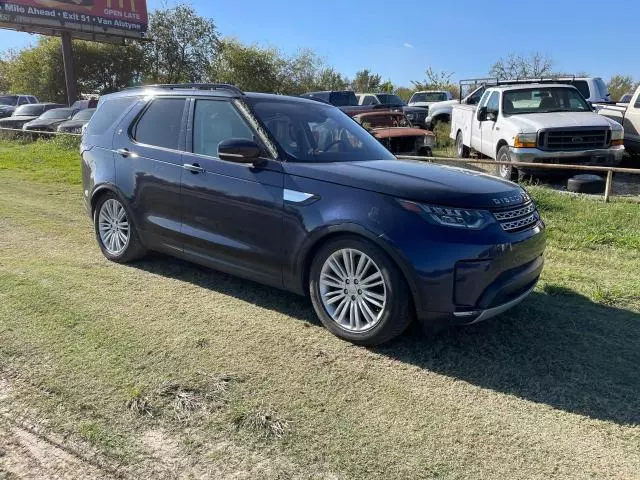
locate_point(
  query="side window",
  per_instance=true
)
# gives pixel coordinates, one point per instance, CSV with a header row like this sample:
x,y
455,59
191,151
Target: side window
x,y
22,101
583,88
483,100
637,104
108,113
475,97
161,123
493,103
215,121
369,100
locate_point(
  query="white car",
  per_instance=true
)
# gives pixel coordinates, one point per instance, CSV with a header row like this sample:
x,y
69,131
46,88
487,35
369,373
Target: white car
x,y
627,115
537,123
426,98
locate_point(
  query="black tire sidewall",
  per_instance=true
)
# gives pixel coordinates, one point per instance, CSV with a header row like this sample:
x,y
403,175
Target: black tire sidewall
x,y
398,311
504,152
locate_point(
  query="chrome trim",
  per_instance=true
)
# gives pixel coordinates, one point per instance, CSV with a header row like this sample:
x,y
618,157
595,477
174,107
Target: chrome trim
x,y
294,196
492,312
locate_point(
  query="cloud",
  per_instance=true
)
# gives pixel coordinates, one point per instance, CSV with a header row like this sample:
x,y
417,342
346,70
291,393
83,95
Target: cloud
x,y
407,45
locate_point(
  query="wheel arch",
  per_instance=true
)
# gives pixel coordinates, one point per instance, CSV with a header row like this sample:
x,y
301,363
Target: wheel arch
x,y
501,143
336,231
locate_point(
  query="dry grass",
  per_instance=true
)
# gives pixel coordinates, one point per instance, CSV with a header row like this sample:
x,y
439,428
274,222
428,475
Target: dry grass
x,y
548,390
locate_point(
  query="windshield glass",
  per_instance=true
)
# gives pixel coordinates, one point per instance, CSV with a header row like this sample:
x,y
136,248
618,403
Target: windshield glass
x,y
343,99
543,100
57,114
316,132
388,99
8,100
383,121
429,97
28,110
85,114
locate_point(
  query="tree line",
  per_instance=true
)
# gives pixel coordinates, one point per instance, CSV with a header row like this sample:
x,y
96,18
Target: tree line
x,y
187,47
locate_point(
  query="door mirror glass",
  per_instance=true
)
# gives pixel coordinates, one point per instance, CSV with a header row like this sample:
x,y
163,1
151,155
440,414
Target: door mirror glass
x,y
239,150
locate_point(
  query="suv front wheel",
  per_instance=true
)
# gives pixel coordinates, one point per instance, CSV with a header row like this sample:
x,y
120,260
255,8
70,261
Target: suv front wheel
x,y
115,233
359,293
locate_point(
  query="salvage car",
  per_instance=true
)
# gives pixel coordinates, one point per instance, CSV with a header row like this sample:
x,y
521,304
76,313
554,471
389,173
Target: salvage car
x,y
49,120
294,194
396,133
536,123
416,115
26,113
79,120
8,103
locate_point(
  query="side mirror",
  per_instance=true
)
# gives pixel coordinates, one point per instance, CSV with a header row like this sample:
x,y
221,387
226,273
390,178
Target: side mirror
x,y
492,116
239,150
482,114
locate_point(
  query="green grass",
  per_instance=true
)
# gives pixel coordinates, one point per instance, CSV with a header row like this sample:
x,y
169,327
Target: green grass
x,y
162,367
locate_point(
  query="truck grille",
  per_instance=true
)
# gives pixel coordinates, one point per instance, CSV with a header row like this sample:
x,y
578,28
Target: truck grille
x,y
574,139
519,218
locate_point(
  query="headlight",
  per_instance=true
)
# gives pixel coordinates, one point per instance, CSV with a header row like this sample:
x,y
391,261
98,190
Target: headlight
x,y
410,116
525,140
449,216
617,137
426,140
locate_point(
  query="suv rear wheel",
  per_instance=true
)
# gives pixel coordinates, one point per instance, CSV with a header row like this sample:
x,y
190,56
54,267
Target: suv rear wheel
x,y
358,293
115,232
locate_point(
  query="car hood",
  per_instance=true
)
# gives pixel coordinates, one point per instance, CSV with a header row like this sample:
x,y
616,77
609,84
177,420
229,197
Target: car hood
x,y
422,104
14,120
446,103
74,123
48,122
388,132
414,180
532,122
407,109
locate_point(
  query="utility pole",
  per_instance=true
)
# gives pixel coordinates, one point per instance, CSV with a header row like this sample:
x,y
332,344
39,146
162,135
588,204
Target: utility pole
x,y
69,70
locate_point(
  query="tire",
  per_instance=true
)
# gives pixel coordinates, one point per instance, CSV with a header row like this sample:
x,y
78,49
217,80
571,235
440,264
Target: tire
x,y
370,316
506,172
586,184
462,151
123,247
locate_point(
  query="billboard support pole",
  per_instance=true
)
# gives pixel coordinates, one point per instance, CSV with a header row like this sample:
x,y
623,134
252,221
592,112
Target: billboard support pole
x,y
69,70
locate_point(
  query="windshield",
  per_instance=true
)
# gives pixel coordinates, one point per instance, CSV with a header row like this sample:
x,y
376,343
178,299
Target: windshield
x,y
383,121
85,114
28,110
343,99
9,100
429,97
543,100
57,114
316,132
388,99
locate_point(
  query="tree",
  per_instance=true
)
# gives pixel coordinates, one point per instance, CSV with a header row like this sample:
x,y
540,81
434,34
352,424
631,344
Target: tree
x,y
330,79
387,87
619,85
183,48
517,66
436,81
404,93
365,81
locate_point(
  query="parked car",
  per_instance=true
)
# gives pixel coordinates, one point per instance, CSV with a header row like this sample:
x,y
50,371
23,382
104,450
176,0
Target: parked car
x,y
339,98
396,133
49,120
8,103
629,117
536,123
294,194
79,120
25,113
426,98
440,112
416,115
625,99
87,103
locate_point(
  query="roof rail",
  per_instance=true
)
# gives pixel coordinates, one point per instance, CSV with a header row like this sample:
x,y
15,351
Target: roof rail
x,y
194,86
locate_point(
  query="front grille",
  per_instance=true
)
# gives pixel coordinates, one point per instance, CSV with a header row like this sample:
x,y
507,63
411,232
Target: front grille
x,y
402,144
519,218
574,139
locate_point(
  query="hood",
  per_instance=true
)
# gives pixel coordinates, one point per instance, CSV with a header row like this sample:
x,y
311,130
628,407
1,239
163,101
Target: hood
x,y
446,103
532,122
46,122
392,132
407,109
20,119
73,123
422,104
413,180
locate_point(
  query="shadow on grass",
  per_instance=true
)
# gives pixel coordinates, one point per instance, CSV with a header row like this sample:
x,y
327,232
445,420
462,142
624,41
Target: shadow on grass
x,y
558,348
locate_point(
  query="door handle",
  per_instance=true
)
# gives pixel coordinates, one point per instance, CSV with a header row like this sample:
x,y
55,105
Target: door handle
x,y
123,152
193,167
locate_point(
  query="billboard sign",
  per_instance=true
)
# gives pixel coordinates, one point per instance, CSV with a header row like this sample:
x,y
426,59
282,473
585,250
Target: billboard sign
x,y
84,18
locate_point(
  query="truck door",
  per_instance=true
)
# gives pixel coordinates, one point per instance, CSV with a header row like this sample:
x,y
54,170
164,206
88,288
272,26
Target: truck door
x,y
476,125
487,128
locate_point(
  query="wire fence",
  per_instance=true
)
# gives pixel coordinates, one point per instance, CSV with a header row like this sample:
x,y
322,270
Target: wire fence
x,y
608,171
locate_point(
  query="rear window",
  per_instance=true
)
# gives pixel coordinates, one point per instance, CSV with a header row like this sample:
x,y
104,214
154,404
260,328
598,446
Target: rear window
x,y
343,99
161,123
429,97
583,88
389,99
108,113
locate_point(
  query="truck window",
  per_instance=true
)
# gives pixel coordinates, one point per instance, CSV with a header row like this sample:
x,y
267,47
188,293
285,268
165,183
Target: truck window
x,y
485,97
493,105
637,104
583,87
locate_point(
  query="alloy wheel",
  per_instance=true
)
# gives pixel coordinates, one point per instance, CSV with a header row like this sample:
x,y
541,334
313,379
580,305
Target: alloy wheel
x,y
113,227
353,290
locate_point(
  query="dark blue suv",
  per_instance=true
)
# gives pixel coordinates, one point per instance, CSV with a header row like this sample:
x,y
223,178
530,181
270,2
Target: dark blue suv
x,y
292,193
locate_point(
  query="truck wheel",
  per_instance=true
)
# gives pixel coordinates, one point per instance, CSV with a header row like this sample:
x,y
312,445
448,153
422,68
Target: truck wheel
x,y
462,151
506,172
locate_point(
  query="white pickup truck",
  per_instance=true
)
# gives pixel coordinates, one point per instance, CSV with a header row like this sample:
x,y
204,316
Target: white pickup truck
x,y
537,123
629,117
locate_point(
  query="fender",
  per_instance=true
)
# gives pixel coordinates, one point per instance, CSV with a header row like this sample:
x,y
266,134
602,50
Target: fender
x,y
299,278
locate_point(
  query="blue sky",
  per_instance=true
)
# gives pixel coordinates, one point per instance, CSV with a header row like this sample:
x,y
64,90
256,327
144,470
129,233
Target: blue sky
x,y
400,40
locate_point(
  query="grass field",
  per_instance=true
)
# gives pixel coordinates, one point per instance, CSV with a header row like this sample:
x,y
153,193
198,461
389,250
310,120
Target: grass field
x,y
162,369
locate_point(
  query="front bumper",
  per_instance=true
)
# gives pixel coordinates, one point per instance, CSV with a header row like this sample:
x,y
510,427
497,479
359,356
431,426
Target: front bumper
x,y
605,157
